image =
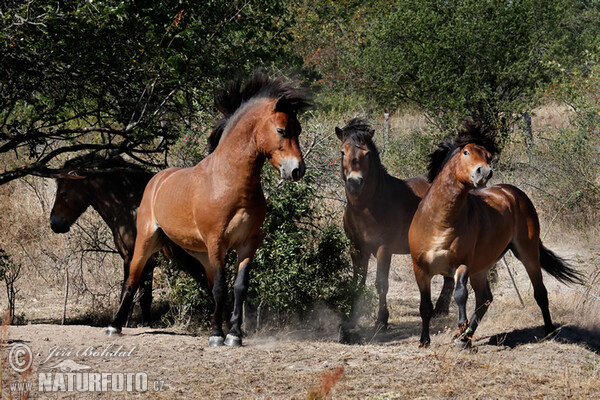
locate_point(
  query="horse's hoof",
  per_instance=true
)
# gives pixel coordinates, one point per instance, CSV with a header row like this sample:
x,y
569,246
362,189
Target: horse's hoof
x,y
216,341
381,326
234,341
440,313
463,344
425,344
111,331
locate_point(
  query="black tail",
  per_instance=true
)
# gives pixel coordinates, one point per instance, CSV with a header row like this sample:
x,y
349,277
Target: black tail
x,y
558,267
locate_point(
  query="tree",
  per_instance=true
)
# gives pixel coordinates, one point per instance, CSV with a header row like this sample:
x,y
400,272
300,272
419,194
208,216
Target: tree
x,y
121,77
481,58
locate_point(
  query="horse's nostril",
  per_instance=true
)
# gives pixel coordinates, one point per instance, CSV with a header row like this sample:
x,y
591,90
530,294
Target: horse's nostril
x,y
490,174
478,170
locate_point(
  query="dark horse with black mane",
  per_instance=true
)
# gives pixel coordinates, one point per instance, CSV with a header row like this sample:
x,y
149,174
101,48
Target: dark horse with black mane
x,y
113,187
462,228
219,204
379,210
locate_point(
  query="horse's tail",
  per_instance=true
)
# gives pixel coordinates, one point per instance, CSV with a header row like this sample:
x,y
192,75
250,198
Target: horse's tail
x,y
559,267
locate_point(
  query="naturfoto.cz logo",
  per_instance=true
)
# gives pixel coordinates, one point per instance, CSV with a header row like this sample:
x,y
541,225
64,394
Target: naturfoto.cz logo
x,y
68,375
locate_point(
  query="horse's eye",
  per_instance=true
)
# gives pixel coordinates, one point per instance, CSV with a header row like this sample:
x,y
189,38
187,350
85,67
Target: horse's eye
x,y
368,154
466,152
281,131
63,195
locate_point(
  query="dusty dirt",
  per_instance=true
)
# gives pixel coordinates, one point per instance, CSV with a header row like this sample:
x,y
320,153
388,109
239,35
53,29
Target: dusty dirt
x,y
510,359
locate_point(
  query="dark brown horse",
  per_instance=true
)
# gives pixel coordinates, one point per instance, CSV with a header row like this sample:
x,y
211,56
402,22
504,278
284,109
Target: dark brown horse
x,y
219,204
113,187
462,228
379,210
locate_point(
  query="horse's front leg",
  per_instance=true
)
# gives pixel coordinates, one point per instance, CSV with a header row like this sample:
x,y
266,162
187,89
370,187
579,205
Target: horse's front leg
x,y
240,290
384,257
426,306
219,291
360,264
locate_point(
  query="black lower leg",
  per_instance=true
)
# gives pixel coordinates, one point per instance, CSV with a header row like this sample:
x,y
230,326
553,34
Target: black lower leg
x,y
442,306
541,297
461,295
240,289
146,295
426,311
219,295
126,302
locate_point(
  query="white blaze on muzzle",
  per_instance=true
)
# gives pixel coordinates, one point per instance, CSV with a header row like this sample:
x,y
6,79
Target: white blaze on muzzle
x,y
292,168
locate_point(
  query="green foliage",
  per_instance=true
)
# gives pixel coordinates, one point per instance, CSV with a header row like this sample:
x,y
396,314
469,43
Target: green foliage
x,y
301,262
406,154
562,165
485,59
127,77
188,300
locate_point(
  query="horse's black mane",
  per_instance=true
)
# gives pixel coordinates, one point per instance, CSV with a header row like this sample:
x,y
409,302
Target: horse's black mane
x,y
359,133
235,93
470,132
95,161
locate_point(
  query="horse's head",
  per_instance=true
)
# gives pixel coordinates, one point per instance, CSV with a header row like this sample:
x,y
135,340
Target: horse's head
x,y
72,199
473,167
277,138
357,153
469,155
270,108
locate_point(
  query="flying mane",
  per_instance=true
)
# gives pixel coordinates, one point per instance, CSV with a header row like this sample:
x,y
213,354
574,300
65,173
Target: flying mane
x,y
470,132
236,93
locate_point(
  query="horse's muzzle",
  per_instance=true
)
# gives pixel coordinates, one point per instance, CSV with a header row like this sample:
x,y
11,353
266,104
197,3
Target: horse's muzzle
x,y
59,224
481,176
292,169
355,185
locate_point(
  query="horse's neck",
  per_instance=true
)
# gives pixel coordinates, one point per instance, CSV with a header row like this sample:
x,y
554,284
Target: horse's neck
x,y
237,161
116,209
446,198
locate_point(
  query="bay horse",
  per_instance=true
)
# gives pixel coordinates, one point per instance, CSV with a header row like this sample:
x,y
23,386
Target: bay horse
x,y
461,228
219,204
378,211
113,187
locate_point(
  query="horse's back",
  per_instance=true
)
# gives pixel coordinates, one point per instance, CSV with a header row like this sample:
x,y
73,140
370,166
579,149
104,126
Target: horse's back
x,y
385,220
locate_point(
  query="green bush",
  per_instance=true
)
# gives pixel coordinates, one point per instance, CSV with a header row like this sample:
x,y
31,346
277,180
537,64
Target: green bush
x,y
302,262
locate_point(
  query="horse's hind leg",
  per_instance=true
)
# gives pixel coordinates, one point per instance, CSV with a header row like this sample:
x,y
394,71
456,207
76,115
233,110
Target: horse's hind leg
x,y
382,284
529,255
461,294
145,245
442,306
145,291
483,299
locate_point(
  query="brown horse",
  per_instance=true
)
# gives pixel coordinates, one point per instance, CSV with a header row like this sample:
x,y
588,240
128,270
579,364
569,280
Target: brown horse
x,y
113,187
462,228
219,203
379,211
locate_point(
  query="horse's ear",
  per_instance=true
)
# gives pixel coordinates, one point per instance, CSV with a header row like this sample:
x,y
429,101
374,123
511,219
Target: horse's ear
x,y
339,133
73,175
371,132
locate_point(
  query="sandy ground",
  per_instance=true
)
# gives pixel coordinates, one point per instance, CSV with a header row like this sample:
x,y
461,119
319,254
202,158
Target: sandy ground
x,y
510,358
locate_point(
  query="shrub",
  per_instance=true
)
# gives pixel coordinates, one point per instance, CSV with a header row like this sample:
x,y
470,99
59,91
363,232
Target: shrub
x,y
302,262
